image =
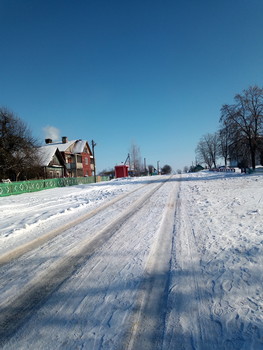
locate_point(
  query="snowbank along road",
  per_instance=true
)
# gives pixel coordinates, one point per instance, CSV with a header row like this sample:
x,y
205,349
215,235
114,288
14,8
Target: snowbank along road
x,y
134,264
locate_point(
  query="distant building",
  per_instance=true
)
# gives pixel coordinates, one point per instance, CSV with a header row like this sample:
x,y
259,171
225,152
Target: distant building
x,y
121,171
77,157
244,160
197,168
241,156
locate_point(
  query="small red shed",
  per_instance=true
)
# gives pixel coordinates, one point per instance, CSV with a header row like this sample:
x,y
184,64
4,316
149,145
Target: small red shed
x,y
121,171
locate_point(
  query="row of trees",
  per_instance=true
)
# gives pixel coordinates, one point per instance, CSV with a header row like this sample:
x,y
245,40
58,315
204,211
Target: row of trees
x,y
18,153
240,135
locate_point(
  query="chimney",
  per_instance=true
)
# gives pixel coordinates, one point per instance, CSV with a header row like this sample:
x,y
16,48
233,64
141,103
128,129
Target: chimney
x,y
48,141
64,139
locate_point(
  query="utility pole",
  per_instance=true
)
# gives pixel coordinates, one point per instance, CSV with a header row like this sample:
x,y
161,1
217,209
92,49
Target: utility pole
x,y
94,162
158,167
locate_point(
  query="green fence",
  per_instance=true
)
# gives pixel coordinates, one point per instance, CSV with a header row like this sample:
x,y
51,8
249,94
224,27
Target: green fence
x,y
7,189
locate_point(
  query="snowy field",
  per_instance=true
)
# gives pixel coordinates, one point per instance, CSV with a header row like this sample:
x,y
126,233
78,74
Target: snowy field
x,y
142,263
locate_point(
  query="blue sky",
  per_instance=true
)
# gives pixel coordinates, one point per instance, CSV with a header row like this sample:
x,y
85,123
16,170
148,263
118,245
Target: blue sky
x,y
153,73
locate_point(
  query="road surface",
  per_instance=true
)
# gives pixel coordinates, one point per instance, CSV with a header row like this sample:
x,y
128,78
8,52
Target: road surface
x,y
166,263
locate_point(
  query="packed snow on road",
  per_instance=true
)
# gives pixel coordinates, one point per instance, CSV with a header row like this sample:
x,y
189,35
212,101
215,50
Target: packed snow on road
x,y
139,263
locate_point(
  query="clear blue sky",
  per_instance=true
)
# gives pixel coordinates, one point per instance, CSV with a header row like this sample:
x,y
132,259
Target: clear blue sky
x,y
155,73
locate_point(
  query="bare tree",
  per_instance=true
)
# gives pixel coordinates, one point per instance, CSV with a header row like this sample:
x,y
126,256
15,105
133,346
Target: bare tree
x,y
135,159
18,153
207,150
244,121
224,143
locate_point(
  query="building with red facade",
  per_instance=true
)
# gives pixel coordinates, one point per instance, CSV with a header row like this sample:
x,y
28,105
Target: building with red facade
x,y
77,155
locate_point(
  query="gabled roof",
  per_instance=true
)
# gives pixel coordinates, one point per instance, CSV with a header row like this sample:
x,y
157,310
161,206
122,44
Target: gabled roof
x,y
75,146
79,146
47,153
62,147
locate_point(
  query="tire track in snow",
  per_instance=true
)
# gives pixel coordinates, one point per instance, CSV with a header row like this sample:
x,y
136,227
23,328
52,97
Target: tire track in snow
x,y
25,248
19,308
189,298
148,320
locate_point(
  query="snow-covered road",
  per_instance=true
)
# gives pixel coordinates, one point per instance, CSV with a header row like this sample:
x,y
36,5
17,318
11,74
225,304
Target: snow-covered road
x,y
144,263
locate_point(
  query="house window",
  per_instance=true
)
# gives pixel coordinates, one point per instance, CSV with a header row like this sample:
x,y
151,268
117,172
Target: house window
x,y
86,160
79,159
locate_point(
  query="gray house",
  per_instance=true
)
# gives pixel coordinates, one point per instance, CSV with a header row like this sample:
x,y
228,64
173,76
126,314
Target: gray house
x,y
52,162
